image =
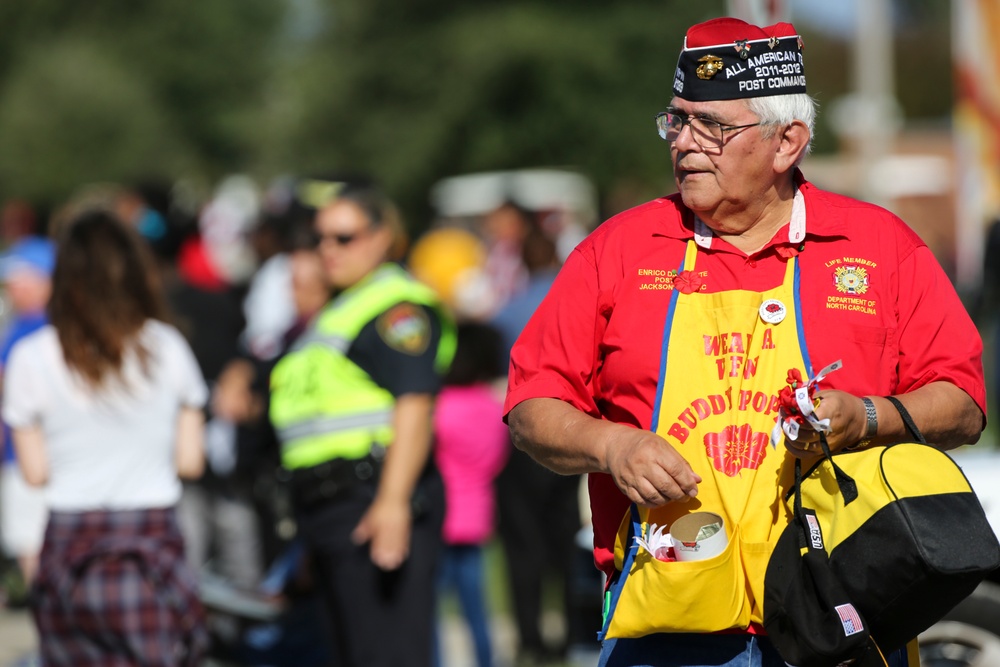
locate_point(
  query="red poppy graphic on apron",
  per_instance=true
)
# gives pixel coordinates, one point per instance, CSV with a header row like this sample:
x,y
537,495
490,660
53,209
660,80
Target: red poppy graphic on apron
x,y
736,448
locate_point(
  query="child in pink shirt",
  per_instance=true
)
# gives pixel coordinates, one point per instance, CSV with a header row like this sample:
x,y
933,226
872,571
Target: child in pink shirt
x,y
472,447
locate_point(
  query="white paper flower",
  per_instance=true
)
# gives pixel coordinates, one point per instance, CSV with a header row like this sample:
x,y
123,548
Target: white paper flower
x,y
657,542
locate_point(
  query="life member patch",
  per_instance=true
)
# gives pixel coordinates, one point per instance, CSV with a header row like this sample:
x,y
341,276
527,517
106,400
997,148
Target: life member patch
x,y
851,279
852,283
406,328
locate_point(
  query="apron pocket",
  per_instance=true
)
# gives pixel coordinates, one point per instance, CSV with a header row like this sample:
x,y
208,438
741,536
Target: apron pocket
x,y
755,558
691,596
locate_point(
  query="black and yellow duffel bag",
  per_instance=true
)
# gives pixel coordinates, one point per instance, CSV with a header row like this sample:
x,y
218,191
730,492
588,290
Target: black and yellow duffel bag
x,y
883,543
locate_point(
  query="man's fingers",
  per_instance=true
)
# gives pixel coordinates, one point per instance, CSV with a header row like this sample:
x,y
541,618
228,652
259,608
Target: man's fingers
x,y
648,494
808,435
683,477
652,473
801,448
660,487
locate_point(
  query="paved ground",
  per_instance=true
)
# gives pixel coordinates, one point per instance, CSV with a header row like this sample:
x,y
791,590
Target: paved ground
x,y
17,642
17,638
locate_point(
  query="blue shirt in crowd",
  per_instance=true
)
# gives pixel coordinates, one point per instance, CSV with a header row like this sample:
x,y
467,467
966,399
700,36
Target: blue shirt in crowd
x,y
20,326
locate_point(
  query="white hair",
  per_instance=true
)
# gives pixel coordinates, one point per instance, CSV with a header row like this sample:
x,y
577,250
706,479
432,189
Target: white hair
x,y
777,110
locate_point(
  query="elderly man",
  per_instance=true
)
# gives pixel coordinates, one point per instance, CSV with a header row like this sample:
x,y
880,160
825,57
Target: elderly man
x,y
656,360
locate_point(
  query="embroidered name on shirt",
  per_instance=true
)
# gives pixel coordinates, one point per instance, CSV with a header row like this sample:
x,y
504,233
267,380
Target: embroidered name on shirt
x,y
663,279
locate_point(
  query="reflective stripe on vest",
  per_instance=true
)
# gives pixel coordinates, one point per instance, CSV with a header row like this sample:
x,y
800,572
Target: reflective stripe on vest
x,y
324,406
309,337
323,425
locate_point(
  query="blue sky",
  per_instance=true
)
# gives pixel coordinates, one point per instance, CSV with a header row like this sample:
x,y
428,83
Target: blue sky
x,y
834,17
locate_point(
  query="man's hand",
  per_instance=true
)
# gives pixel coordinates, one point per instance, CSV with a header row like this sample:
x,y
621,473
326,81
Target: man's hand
x,y
645,467
848,424
387,526
649,471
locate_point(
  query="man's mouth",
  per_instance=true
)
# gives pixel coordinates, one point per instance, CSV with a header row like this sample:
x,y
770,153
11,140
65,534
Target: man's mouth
x,y
682,171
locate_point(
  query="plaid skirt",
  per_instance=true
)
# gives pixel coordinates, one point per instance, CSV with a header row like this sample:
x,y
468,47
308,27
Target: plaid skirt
x,y
113,590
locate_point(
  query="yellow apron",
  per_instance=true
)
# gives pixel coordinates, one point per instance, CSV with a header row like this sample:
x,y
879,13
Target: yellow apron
x,y
727,355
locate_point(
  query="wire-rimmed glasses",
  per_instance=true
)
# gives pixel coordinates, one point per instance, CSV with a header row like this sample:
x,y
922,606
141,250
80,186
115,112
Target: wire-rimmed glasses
x,y
707,133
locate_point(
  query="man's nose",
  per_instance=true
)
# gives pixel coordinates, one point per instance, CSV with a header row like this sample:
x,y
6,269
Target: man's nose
x,y
685,141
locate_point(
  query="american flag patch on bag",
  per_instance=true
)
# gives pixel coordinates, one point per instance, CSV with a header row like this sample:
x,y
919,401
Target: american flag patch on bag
x,y
850,618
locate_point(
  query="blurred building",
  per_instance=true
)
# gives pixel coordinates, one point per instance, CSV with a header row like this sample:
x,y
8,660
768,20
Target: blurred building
x,y
917,179
976,59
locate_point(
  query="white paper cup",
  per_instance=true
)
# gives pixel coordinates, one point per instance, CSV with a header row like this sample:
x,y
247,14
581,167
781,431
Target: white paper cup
x,y
685,529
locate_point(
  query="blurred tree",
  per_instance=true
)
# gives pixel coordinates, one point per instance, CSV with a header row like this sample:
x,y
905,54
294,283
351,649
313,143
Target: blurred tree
x,y
409,91
419,90
71,115
202,65
828,67
923,55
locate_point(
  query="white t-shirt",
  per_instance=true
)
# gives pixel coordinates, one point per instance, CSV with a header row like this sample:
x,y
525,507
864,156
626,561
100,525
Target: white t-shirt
x,y
268,307
112,449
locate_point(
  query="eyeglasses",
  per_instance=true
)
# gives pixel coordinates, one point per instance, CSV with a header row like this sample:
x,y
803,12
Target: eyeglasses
x,y
339,239
707,133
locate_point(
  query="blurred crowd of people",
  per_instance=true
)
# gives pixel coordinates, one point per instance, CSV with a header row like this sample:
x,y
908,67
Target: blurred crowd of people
x,y
249,278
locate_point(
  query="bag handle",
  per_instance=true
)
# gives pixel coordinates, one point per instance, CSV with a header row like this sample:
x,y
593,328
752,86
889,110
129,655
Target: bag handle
x,y
848,487
797,506
908,420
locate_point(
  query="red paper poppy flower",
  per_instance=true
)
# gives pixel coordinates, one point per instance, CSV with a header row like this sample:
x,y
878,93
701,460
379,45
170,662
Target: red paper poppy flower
x,y
787,251
687,282
786,399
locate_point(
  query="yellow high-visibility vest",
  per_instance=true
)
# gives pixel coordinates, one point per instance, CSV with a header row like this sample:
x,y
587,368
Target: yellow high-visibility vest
x,y
323,405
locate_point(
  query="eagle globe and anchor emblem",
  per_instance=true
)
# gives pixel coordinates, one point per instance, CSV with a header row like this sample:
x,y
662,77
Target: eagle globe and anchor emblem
x,y
709,67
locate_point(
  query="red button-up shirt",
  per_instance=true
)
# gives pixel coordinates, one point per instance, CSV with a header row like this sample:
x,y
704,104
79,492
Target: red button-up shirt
x,y
872,294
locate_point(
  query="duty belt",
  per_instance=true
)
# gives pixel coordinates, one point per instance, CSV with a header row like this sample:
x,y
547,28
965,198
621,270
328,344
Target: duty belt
x,y
334,478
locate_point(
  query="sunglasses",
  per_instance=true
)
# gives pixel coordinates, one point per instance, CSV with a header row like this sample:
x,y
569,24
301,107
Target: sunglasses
x,y
338,239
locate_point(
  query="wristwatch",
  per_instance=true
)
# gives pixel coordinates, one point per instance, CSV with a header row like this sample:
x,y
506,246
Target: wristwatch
x,y
872,428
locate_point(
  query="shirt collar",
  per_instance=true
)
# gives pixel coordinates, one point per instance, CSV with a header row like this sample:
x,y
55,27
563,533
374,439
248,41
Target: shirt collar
x,y
794,233
796,228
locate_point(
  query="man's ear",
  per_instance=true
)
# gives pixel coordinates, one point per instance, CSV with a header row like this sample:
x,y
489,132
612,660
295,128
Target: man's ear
x,y
794,140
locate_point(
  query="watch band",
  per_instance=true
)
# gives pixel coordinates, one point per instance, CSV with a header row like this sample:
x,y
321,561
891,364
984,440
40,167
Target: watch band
x,y
872,427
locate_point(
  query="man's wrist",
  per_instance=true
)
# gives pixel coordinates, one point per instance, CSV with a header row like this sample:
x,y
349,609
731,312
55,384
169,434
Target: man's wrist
x,y
871,425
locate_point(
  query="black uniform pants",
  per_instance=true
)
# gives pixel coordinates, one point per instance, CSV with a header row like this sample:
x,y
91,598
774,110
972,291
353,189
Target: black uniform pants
x,y
376,618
